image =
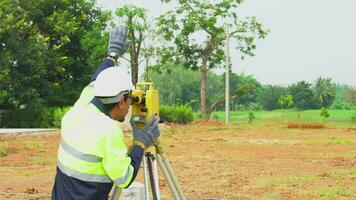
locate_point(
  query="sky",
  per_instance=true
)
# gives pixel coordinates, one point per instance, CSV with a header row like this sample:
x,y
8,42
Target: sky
x,y
308,39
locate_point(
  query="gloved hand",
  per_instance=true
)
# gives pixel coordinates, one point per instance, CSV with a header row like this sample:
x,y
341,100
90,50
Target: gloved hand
x,y
117,41
148,134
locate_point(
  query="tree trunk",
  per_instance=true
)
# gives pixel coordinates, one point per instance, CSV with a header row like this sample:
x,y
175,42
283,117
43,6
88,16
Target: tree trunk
x,y
134,71
204,70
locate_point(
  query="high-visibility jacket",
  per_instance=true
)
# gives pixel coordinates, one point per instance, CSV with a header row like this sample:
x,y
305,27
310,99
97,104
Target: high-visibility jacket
x,y
92,147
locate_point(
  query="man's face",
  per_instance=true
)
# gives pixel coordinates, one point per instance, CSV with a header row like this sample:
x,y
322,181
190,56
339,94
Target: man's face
x,y
123,108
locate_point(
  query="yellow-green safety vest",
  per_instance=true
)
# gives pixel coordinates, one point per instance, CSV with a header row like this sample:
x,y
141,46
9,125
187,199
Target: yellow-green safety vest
x,y
92,147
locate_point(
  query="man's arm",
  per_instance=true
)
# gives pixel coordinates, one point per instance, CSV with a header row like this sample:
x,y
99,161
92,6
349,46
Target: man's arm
x,y
106,64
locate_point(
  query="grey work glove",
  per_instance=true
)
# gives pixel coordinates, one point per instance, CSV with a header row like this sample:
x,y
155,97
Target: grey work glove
x,y
117,41
148,134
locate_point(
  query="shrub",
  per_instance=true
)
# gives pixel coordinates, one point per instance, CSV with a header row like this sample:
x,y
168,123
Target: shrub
x,y
324,113
3,151
34,117
176,114
58,115
353,118
341,105
251,117
23,118
214,116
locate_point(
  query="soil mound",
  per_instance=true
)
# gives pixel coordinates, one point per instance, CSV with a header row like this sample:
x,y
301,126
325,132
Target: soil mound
x,y
207,122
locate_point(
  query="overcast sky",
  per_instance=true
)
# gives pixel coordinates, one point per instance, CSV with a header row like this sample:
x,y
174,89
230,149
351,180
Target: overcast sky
x,y
307,39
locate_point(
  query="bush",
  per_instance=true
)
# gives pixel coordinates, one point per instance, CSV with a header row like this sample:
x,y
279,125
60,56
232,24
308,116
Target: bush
x,y
341,105
353,118
176,114
23,118
214,116
58,115
251,117
324,113
34,117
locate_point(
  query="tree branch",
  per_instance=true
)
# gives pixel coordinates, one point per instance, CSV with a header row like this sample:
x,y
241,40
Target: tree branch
x,y
239,93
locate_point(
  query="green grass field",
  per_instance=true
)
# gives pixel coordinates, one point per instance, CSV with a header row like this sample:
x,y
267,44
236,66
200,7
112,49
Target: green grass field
x,y
337,117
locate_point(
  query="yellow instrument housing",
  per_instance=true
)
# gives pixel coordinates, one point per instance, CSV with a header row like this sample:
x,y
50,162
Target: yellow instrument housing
x,y
145,102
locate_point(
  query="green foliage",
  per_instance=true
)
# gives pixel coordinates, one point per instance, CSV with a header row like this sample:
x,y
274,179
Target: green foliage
x,y
351,95
324,91
353,118
3,151
341,105
58,115
176,114
303,94
48,50
214,116
269,95
251,116
191,17
138,37
285,101
177,85
324,113
34,117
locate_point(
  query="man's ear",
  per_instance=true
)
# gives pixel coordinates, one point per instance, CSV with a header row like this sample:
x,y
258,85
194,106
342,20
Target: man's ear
x,y
121,103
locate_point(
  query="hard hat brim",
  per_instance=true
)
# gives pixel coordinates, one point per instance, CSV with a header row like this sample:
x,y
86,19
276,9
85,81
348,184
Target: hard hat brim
x,y
113,99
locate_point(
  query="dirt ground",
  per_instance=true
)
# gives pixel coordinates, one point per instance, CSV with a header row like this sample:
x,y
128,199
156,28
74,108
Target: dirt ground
x,y
213,161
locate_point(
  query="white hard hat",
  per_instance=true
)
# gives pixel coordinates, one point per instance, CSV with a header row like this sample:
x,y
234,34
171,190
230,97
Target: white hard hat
x,y
111,84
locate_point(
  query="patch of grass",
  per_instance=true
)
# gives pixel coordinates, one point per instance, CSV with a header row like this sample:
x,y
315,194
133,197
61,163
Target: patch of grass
x,y
350,154
42,161
3,151
288,180
343,173
33,145
334,193
340,140
331,140
337,117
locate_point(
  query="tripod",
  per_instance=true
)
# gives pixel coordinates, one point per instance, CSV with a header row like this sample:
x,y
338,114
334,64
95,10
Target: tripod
x,y
154,155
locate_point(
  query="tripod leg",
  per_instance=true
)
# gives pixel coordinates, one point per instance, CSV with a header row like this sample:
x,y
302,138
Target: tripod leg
x,y
174,178
167,177
150,158
116,193
147,195
156,177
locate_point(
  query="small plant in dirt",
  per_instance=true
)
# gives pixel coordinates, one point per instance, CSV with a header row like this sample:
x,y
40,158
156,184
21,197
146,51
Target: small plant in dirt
x,y
353,118
251,117
214,116
324,113
3,152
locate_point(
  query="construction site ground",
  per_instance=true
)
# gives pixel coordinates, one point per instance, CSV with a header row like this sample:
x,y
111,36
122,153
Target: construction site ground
x,y
212,161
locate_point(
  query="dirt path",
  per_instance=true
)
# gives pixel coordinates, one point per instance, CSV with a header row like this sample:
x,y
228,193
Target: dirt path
x,y
213,162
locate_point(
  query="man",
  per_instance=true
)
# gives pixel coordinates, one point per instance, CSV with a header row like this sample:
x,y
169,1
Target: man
x,y
92,155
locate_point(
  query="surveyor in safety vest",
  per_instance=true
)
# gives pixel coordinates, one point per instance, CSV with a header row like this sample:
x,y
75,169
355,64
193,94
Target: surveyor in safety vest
x,y
92,155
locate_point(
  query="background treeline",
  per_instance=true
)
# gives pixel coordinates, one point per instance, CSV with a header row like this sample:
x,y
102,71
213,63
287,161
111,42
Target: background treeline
x,y
49,49
181,86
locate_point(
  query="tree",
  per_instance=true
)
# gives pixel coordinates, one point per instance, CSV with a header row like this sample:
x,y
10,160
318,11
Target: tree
x,y
285,101
197,36
136,20
304,97
324,91
48,50
269,94
351,95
